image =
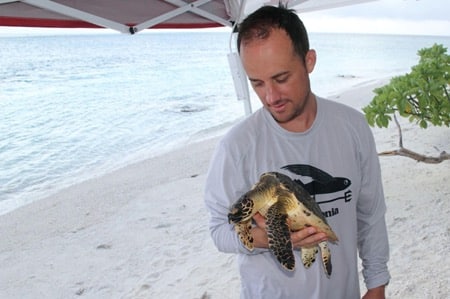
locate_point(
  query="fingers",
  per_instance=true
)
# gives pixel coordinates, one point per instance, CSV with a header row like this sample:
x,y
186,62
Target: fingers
x,y
260,221
307,237
260,239
303,238
259,233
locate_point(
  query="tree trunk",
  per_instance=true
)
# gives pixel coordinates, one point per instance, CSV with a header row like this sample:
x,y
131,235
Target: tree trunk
x,y
413,155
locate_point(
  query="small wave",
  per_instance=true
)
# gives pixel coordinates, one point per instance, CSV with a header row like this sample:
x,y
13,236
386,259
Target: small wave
x,y
190,109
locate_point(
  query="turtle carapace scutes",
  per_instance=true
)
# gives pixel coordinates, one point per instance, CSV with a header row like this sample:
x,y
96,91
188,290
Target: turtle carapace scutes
x,y
287,207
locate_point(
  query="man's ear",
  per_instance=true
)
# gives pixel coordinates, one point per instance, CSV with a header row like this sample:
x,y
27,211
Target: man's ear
x,y
310,60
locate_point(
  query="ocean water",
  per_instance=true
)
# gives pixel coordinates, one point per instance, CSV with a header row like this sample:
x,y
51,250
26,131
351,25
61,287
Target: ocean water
x,y
77,106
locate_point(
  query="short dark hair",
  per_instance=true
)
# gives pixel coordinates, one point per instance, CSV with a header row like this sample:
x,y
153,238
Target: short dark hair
x,y
259,24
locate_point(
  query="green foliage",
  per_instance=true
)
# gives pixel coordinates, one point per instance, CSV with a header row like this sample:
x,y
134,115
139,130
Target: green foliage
x,y
422,96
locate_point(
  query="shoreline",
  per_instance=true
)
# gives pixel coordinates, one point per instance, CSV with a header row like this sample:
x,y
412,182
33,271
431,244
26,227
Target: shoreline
x,y
141,231
102,169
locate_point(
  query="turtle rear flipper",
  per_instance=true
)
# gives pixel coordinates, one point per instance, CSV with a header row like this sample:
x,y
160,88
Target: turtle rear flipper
x,y
326,257
309,255
279,236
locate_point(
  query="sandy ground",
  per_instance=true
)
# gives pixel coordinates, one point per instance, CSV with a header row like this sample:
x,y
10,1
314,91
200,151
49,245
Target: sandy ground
x,y
141,231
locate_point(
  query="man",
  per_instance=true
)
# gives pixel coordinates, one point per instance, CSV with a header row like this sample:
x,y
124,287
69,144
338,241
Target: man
x,y
326,147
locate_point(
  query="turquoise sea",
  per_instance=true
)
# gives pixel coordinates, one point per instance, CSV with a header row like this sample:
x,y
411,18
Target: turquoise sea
x,y
77,106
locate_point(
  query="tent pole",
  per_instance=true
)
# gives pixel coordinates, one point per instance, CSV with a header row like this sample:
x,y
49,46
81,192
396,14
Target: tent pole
x,y
78,14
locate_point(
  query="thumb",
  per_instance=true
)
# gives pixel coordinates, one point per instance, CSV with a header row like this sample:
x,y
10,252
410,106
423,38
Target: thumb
x,y
260,220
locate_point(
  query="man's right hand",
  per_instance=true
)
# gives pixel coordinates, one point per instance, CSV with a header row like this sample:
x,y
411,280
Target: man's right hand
x,y
306,237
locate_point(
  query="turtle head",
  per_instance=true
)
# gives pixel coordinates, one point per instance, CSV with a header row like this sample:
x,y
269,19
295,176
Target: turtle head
x,y
241,210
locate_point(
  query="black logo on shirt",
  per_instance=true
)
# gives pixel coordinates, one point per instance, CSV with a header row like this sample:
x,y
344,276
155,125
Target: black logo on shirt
x,y
321,183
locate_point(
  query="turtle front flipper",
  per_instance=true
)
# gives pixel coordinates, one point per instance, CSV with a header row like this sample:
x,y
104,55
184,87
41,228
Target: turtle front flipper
x,y
243,231
309,255
279,236
240,215
326,257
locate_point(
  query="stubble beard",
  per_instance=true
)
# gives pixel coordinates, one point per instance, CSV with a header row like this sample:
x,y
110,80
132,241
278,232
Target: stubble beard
x,y
295,112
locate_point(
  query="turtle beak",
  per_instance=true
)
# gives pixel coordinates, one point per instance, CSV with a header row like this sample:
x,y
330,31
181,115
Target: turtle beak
x,y
234,216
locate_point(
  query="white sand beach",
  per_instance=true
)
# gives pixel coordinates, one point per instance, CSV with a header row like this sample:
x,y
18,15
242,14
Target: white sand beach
x,y
141,231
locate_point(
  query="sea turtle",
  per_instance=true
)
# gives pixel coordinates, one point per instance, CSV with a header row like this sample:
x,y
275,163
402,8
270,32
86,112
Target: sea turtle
x,y
287,207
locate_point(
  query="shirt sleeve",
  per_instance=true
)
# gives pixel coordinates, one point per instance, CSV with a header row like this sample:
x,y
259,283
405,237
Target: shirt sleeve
x,y
373,242
225,183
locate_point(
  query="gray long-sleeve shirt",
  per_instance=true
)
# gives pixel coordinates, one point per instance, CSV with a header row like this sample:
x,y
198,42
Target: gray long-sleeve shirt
x,y
336,161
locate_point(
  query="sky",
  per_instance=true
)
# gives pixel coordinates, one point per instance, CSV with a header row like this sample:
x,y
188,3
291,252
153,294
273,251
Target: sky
x,y
418,17
412,17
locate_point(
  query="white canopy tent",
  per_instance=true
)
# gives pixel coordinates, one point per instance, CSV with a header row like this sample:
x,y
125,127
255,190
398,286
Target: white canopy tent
x,y
135,15
132,16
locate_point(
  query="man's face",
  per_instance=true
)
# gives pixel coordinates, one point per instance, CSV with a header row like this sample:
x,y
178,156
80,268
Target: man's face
x,y
279,77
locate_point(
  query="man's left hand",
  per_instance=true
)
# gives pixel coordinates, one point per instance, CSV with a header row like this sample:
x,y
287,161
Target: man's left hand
x,y
375,293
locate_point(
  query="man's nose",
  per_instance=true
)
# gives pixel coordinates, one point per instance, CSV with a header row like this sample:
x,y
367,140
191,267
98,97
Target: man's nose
x,y
272,94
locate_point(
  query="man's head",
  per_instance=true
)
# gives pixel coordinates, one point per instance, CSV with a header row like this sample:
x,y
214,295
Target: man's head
x,y
259,25
274,50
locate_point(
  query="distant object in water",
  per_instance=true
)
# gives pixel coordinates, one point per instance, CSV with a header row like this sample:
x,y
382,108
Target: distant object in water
x,y
346,76
188,108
